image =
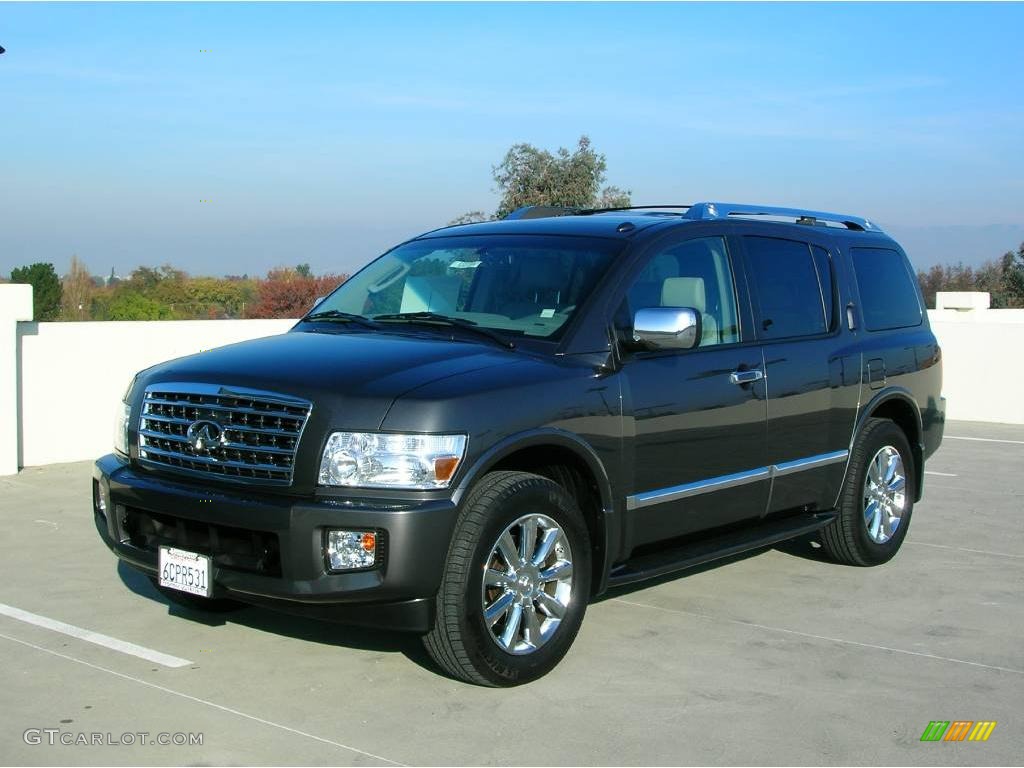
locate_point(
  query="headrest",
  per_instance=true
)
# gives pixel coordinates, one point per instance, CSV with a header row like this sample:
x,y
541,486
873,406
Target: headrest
x,y
684,292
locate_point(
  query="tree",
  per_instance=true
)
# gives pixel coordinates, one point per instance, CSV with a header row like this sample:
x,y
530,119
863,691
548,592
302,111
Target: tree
x,y
303,270
287,294
1002,279
77,292
131,305
46,289
1013,276
472,217
531,176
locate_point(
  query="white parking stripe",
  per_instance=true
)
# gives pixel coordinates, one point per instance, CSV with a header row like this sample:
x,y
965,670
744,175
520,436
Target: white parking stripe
x,y
939,474
752,625
983,439
89,636
197,700
965,549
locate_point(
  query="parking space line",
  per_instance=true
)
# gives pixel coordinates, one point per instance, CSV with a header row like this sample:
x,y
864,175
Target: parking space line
x,y
983,439
840,640
198,700
122,646
939,474
965,549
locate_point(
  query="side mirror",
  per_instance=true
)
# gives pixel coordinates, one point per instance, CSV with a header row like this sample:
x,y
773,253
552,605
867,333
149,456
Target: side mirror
x,y
667,327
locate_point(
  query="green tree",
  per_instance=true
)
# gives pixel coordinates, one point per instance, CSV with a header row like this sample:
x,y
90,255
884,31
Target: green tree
x,y
1013,277
129,304
531,176
46,289
303,270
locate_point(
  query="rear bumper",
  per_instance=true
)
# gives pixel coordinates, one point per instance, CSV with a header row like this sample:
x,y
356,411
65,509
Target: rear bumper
x,y
284,567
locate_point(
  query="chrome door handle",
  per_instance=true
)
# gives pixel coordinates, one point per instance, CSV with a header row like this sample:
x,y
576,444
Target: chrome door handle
x,y
745,377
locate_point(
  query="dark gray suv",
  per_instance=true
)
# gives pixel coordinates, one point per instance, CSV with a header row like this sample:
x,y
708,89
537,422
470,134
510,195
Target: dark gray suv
x,y
492,424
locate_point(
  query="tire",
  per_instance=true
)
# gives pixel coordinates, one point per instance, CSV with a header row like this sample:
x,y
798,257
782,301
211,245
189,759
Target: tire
x,y
855,538
478,576
197,603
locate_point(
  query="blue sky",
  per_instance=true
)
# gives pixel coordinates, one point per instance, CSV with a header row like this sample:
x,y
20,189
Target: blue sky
x,y
324,133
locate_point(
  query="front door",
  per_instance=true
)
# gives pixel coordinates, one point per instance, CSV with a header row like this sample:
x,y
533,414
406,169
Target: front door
x,y
695,419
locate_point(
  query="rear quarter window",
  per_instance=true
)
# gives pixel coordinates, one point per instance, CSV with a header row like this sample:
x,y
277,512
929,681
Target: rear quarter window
x,y
888,290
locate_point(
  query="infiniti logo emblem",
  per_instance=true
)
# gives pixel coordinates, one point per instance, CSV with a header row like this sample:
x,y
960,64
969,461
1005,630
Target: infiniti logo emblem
x,y
204,436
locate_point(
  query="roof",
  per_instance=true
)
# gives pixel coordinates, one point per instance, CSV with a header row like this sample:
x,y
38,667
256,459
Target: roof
x,y
626,222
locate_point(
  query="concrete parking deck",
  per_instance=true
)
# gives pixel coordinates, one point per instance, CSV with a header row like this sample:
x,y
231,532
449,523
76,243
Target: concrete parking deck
x,y
775,658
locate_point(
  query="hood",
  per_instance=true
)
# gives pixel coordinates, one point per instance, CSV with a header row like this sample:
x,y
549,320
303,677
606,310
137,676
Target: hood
x,y
349,376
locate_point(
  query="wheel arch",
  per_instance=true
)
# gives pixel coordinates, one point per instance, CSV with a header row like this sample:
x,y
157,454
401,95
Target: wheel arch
x,y
572,463
898,405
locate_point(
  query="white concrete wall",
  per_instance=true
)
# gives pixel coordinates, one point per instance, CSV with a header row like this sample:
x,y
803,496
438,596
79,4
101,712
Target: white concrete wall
x,y
982,363
69,377
73,375
15,305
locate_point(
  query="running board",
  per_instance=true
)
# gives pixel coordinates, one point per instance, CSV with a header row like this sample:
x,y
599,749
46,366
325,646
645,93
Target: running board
x,y
703,551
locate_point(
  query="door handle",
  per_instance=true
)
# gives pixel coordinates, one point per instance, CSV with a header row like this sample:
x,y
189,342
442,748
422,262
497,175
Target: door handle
x,y
745,377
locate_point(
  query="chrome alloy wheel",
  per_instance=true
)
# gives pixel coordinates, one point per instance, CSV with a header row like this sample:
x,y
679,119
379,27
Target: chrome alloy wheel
x,y
885,494
527,584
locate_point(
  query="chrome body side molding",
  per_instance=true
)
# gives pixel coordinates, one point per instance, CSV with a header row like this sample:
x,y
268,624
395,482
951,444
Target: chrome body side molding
x,y
676,492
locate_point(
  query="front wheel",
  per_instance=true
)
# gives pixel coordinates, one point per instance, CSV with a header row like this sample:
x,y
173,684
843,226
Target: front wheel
x,y
877,499
516,583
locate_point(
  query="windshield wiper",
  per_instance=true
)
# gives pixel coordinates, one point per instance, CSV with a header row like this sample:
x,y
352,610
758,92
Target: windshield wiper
x,y
341,317
434,318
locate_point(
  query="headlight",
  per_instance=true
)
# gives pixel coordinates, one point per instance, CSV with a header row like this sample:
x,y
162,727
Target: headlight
x,y
377,460
124,415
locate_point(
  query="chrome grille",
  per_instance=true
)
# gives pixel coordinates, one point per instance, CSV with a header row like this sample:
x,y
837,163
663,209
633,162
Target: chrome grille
x,y
221,431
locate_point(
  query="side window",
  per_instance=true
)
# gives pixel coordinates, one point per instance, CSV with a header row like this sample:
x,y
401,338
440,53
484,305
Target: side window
x,y
789,294
695,273
888,291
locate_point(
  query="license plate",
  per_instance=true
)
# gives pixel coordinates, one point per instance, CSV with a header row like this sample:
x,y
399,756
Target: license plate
x,y
185,571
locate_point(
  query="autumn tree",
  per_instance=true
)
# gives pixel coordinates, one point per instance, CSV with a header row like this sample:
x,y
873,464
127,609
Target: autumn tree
x,y
46,289
531,176
285,293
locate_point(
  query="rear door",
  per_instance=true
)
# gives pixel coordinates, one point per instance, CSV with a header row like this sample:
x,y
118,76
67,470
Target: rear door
x,y
812,370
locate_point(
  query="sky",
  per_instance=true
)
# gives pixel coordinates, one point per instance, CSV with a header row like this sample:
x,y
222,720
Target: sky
x,y
233,138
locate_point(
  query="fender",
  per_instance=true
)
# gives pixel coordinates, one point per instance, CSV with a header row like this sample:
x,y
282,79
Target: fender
x,y
608,523
916,446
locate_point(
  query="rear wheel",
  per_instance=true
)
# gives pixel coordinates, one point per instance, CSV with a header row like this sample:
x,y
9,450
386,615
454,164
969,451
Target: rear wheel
x,y
516,584
877,499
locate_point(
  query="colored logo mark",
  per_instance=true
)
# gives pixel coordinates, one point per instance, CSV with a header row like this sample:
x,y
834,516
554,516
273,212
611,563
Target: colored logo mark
x,y
958,730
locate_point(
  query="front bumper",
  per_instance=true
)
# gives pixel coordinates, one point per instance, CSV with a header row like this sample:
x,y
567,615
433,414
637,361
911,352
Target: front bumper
x,y
269,549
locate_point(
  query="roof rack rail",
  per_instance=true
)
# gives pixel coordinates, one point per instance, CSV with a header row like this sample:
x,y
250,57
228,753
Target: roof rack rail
x,y
547,211
703,211
541,212
707,210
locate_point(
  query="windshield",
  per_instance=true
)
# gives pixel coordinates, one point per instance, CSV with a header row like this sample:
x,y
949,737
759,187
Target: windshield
x,y
520,285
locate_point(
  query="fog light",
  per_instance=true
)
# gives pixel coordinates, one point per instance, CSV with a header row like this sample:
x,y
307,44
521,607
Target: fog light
x,y
99,498
351,550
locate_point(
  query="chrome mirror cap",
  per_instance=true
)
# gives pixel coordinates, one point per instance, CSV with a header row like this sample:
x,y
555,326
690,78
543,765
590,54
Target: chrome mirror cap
x,y
667,327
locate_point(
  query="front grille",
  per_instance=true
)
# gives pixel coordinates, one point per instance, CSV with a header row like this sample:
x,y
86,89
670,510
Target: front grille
x,y
236,548
222,432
